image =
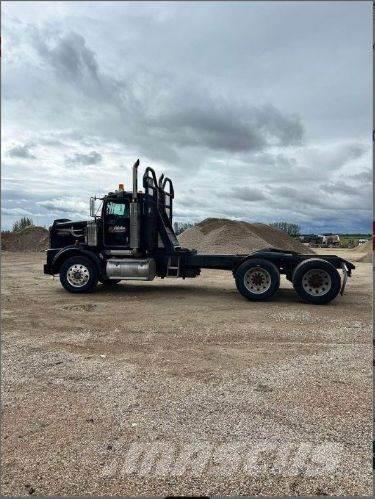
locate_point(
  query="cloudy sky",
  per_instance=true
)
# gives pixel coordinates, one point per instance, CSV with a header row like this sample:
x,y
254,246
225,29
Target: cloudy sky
x,y
258,111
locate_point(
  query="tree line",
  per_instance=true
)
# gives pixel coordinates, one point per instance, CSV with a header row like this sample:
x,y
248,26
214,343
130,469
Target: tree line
x,y
291,229
21,224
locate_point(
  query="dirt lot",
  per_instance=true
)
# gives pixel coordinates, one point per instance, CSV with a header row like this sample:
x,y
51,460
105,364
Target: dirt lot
x,y
172,366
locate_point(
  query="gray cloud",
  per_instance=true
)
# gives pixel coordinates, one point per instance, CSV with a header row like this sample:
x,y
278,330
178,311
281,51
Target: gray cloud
x,y
335,156
221,125
92,158
193,202
52,207
74,207
18,212
22,151
185,115
51,142
248,194
68,55
363,177
292,193
356,150
339,187
337,197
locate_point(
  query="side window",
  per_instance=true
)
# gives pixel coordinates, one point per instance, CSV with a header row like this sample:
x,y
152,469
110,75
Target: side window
x,y
119,209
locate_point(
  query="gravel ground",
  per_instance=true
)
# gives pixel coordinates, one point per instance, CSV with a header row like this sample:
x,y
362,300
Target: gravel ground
x,y
114,392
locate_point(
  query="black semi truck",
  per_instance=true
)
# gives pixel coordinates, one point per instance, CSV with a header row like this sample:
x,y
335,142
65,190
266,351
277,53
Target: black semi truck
x,y
133,239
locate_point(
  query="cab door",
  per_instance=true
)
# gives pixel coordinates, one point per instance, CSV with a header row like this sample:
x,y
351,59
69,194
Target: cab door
x,y
116,223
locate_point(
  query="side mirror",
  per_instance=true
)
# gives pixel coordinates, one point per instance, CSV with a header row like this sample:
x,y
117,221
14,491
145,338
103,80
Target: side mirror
x,y
92,207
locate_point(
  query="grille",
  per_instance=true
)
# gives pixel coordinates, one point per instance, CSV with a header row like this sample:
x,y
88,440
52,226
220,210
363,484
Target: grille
x,y
91,234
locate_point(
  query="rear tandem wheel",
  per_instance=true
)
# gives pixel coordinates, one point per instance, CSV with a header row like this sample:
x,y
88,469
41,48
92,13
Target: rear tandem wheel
x,y
257,279
316,281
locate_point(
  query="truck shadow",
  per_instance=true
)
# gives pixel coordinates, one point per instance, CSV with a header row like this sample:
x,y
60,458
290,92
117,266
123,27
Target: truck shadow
x,y
160,289
177,292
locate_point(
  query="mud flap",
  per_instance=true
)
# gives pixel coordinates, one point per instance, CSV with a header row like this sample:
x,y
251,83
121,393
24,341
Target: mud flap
x,y
344,269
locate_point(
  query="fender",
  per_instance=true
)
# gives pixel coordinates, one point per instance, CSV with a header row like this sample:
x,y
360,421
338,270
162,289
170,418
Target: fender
x,y
69,251
280,258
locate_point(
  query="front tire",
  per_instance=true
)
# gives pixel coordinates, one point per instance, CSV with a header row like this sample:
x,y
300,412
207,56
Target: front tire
x,y
78,274
316,281
257,279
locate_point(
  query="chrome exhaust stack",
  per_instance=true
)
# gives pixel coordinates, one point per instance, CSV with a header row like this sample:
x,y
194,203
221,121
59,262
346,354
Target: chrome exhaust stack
x,y
135,213
135,180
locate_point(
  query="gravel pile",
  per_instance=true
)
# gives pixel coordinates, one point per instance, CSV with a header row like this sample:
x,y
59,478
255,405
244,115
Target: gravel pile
x,y
32,238
366,251
223,236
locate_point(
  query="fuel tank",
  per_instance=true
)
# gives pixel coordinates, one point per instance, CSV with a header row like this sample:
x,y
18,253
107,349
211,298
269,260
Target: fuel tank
x,y
131,269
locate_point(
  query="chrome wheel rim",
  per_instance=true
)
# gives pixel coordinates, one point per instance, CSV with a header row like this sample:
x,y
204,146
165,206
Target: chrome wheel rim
x,y
316,282
257,280
77,275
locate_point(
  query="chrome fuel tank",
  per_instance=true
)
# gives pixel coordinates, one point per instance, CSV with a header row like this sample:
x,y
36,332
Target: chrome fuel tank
x,y
131,269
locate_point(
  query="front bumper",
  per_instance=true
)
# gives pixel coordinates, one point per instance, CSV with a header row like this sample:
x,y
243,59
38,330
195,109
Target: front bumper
x,y
47,269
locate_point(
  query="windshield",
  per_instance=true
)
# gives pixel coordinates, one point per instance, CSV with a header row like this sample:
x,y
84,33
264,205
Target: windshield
x,y
120,209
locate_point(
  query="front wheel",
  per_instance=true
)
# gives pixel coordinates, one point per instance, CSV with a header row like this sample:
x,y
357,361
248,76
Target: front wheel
x,y
316,281
78,274
257,279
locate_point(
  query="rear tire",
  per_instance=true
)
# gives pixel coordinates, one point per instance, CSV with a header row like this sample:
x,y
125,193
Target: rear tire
x,y
78,274
316,281
257,279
